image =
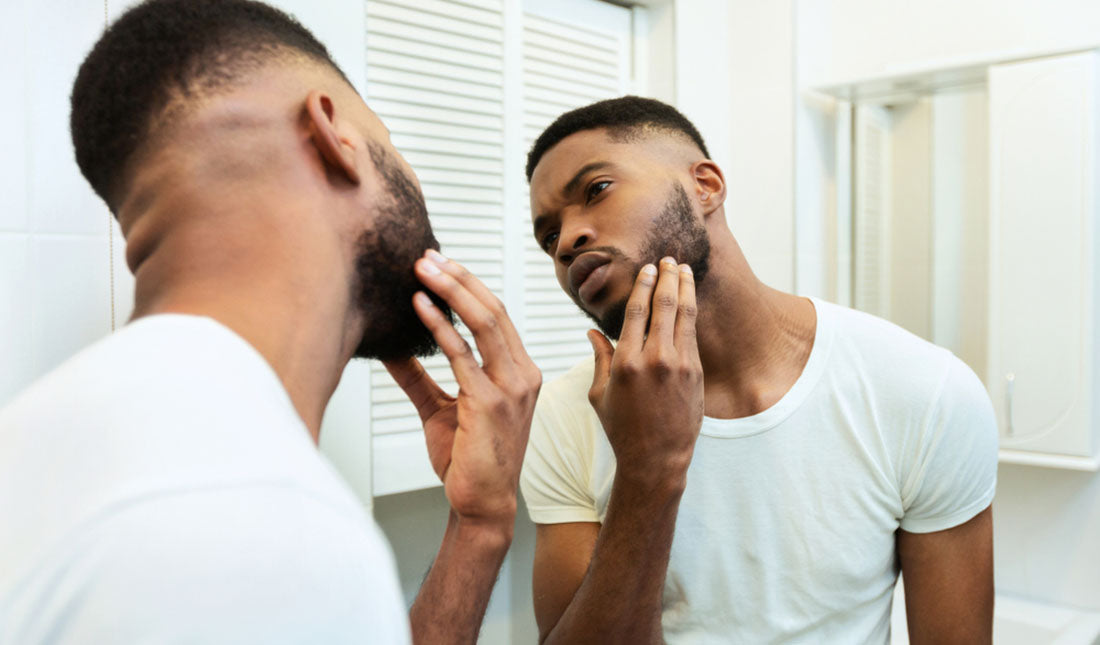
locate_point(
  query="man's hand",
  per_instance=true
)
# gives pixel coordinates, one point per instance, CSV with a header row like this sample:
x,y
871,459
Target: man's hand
x,y
476,440
648,391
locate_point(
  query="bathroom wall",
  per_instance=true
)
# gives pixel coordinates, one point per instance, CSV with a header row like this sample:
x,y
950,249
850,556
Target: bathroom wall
x,y
760,174
55,279
853,39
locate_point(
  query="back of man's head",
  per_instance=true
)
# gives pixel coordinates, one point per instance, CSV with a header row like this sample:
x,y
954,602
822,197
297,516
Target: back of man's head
x,y
158,57
624,118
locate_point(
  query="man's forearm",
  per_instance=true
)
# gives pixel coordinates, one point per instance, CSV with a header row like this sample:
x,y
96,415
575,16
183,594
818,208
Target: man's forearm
x,y
619,600
451,603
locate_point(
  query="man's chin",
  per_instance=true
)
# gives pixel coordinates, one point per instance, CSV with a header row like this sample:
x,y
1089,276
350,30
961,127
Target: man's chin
x,y
399,347
610,321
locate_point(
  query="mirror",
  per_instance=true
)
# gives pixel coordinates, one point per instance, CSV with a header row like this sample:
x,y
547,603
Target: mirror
x,y
920,217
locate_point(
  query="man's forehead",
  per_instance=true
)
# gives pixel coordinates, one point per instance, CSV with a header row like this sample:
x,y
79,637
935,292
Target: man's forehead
x,y
580,150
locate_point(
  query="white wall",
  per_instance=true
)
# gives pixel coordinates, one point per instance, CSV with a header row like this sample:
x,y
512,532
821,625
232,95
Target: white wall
x,y
867,38
1047,522
55,282
759,110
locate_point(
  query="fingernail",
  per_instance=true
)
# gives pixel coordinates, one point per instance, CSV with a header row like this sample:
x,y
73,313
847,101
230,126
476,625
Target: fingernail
x,y
437,257
422,299
685,269
668,259
429,268
649,269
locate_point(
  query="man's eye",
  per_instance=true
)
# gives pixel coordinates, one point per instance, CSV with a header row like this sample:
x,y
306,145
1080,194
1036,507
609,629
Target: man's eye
x,y
595,189
548,241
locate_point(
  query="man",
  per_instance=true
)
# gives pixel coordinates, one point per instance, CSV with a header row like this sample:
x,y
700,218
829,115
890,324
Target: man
x,y
163,486
754,467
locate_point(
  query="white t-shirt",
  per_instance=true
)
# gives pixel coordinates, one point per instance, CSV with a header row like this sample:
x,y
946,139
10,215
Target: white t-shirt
x,y
159,487
785,532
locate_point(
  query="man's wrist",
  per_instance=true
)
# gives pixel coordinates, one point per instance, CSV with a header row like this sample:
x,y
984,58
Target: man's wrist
x,y
664,483
667,476
488,533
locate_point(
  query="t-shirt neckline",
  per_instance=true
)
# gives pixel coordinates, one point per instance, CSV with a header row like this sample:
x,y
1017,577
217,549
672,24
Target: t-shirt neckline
x,y
795,396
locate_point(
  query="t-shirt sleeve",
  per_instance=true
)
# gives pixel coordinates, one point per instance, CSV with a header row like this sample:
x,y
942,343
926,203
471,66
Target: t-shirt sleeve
x,y
555,477
953,464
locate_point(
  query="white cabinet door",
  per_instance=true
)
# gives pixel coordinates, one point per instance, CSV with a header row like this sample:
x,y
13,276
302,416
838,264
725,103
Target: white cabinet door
x,y
464,86
575,53
1043,211
435,75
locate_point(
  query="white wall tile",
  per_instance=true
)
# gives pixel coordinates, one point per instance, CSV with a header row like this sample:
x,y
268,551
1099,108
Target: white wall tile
x,y
59,35
70,302
341,27
760,113
115,8
15,325
13,115
345,430
123,288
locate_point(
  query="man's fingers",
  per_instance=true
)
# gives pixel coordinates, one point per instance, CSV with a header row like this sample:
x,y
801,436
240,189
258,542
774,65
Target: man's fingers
x,y
662,318
436,274
686,313
603,351
487,298
455,348
418,385
636,317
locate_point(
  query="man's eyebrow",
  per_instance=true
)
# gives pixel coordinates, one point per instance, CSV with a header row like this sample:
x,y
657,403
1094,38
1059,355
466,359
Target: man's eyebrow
x,y
571,185
540,221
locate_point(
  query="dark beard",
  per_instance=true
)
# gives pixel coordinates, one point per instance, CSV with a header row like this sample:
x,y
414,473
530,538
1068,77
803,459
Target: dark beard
x,y
384,266
675,232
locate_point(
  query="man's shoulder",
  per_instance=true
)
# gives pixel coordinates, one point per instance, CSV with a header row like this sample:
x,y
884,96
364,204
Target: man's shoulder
x,y
564,399
145,352
892,363
884,345
160,407
574,382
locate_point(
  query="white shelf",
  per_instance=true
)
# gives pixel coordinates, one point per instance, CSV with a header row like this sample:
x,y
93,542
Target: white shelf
x,y
1064,462
903,83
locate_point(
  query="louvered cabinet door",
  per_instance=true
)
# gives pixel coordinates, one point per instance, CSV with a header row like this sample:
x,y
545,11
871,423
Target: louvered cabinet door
x,y
465,86
435,77
574,53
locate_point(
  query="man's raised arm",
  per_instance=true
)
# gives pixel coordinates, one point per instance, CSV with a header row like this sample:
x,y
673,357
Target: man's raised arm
x,y
476,444
603,584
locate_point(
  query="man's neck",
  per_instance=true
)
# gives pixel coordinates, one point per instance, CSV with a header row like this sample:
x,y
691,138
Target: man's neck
x,y
270,285
753,340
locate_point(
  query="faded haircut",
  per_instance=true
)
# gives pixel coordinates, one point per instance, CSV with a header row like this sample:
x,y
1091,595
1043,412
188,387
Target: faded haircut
x,y
161,54
625,118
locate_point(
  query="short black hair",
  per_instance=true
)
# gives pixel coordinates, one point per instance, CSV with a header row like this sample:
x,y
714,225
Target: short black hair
x,y
164,50
624,117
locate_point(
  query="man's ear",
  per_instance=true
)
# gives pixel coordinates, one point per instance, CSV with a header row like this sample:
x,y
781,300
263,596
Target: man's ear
x,y
710,185
335,149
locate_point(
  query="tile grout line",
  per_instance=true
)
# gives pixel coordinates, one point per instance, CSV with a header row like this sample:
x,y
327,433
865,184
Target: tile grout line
x,y
110,227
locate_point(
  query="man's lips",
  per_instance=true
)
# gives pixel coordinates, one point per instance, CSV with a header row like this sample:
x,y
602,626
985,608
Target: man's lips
x,y
583,268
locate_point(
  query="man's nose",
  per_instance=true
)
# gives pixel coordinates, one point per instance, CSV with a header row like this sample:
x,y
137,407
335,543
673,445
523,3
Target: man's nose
x,y
572,239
